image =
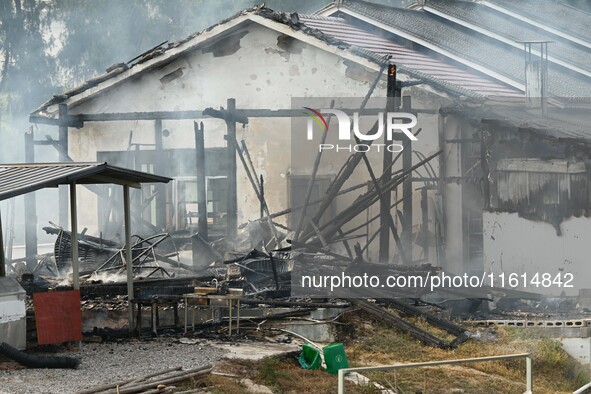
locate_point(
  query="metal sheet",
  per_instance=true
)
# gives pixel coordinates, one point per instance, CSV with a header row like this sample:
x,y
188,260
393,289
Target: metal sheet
x,y
410,58
17,179
58,316
14,333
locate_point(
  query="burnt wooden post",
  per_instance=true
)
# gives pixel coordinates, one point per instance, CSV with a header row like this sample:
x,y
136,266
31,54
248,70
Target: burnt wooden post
x,y
201,195
2,258
63,156
392,94
407,210
159,169
440,221
74,236
30,208
232,204
262,188
425,222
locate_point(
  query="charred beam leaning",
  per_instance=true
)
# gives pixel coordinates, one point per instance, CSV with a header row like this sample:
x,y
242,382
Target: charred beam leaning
x,y
256,187
399,323
259,188
347,169
311,183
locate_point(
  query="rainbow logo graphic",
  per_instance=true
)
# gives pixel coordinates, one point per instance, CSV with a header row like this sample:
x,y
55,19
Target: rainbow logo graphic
x,y
318,118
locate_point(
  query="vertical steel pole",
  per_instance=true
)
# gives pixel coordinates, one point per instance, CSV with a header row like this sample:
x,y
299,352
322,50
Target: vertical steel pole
x,y
63,156
159,169
528,378
232,204
74,236
128,256
30,209
2,258
407,192
201,180
341,388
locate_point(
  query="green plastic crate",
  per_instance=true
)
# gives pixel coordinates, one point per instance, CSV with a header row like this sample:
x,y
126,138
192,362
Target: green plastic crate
x,y
310,357
335,358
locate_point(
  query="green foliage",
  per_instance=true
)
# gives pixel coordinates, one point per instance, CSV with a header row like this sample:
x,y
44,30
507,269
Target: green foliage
x,y
26,68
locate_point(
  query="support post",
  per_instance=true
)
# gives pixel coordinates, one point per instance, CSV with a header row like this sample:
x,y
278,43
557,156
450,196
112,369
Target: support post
x,y
440,221
201,195
2,258
384,251
30,208
425,222
159,169
528,378
128,256
63,157
407,211
392,104
74,236
232,205
341,382
262,188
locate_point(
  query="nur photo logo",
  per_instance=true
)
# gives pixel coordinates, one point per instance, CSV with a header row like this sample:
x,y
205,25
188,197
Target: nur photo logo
x,y
395,125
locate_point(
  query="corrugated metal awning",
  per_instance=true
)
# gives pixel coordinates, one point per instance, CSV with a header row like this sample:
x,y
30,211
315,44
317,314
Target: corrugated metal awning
x,y
17,179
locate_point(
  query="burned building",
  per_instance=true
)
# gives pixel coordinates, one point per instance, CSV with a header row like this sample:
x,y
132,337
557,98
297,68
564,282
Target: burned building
x,y
459,70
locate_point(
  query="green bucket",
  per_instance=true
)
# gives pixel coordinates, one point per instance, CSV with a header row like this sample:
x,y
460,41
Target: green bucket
x,y
310,357
335,358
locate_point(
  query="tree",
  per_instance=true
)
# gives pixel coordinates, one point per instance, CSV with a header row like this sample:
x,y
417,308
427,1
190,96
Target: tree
x,y
27,67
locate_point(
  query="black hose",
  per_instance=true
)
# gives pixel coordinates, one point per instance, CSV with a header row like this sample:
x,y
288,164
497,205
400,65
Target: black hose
x,y
32,361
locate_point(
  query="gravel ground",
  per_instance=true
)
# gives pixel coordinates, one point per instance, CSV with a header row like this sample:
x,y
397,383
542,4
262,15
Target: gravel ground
x,y
103,363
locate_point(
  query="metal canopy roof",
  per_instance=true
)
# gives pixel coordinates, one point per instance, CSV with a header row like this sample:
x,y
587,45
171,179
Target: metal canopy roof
x,y
17,179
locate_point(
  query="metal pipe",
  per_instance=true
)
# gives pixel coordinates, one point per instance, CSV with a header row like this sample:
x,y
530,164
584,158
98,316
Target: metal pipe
x,y
583,389
528,375
527,356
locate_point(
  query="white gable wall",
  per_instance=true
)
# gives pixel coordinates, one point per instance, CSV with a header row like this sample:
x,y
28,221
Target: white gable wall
x,y
260,74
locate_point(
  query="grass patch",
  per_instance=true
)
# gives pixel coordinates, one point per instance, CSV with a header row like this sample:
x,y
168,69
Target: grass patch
x,y
374,343
368,342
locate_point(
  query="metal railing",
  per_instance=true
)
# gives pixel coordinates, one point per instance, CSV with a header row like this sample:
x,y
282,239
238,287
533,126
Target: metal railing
x,y
583,390
528,368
